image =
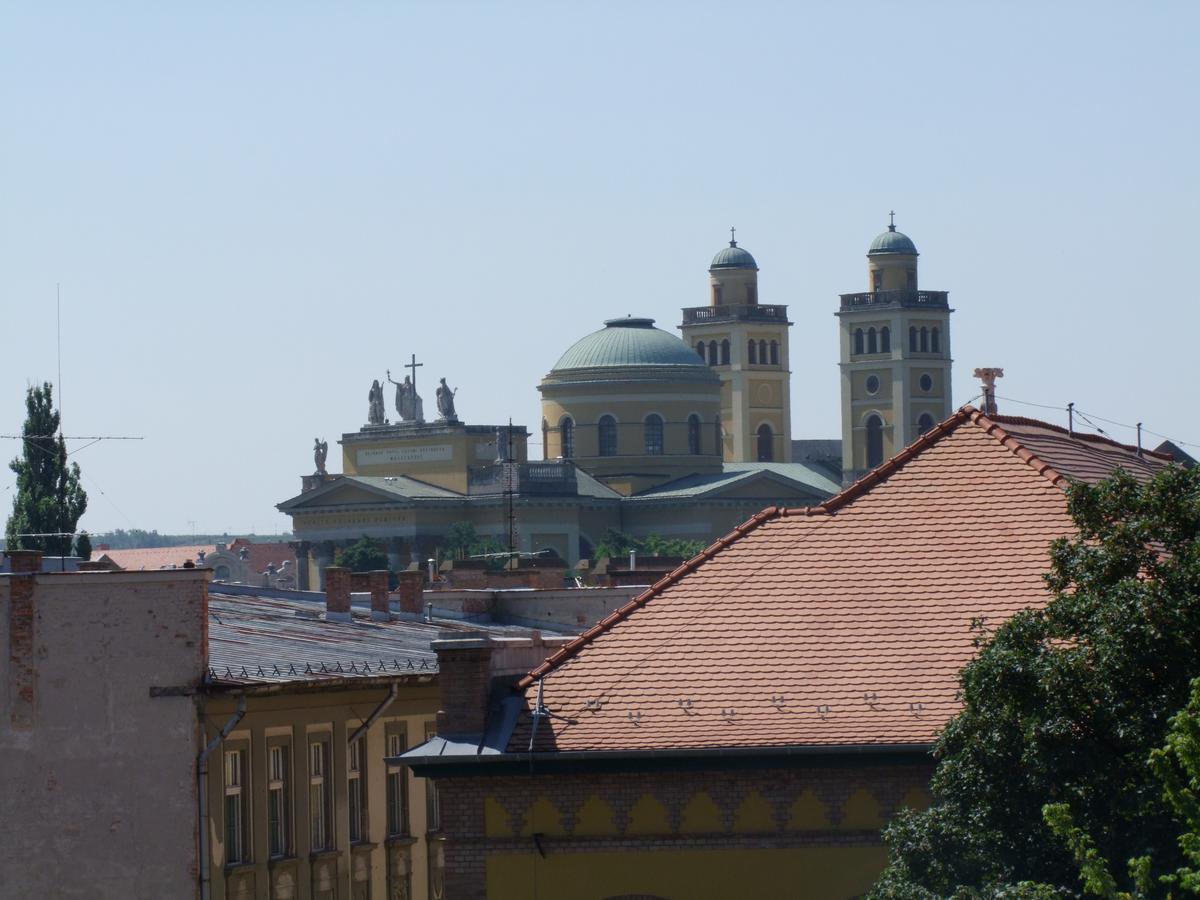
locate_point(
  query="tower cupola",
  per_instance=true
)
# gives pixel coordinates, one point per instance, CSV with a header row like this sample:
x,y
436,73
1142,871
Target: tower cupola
x,y
892,261
733,275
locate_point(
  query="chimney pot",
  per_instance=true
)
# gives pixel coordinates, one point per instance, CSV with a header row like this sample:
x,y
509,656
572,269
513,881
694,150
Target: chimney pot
x,y
337,594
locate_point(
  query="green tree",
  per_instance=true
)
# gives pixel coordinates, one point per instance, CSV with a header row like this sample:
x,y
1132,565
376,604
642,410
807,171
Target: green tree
x,y
49,497
364,555
1063,705
616,544
83,546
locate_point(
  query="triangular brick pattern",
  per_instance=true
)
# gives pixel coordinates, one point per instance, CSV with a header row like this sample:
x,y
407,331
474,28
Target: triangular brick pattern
x,y
840,625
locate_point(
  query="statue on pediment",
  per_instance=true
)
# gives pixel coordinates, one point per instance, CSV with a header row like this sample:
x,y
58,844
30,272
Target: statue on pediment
x,y
409,405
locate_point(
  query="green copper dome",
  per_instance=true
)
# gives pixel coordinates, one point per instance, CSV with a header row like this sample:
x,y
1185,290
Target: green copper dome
x,y
733,257
629,342
892,241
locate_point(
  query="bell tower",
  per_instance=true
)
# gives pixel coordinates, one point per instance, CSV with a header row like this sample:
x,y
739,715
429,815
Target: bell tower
x,y
746,343
895,357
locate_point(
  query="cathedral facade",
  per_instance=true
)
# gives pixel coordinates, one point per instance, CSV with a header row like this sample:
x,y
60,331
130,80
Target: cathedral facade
x,y
643,432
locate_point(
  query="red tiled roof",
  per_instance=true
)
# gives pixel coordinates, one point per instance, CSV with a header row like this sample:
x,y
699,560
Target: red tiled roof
x,y
155,557
842,624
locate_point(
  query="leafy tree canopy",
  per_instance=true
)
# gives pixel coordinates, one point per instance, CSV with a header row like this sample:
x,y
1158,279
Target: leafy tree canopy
x,y
463,541
49,499
364,555
616,543
1063,706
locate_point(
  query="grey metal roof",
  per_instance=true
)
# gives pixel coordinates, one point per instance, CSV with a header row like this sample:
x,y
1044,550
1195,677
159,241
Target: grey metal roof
x,y
399,487
892,241
733,257
626,343
808,480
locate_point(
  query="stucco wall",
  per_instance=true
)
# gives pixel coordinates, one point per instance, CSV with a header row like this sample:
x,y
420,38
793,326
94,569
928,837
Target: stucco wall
x,y
97,775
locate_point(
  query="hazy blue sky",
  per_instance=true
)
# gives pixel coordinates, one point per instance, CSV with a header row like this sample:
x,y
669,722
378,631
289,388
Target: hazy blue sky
x,y
255,211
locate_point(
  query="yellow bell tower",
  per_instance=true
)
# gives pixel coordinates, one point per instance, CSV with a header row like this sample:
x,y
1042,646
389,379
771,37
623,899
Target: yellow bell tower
x,y
746,344
895,357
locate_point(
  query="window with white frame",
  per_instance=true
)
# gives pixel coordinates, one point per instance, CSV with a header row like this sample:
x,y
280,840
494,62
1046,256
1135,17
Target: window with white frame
x,y
320,799
237,801
397,782
356,793
279,800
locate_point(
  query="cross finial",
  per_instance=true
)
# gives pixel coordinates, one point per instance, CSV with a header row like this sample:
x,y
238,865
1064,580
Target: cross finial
x,y
892,222
732,235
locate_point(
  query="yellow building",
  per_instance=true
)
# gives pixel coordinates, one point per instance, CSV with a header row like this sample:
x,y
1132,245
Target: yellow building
x,y
895,357
746,344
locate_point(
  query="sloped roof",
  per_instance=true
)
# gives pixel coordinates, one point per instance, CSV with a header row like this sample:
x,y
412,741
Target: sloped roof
x,y
844,624
387,487
139,558
794,477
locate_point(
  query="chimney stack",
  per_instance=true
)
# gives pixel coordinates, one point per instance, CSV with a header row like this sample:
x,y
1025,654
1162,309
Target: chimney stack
x,y
988,378
337,594
378,585
464,680
25,562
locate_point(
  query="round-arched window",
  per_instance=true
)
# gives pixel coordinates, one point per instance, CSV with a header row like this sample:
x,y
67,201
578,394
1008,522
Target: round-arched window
x,y
874,441
654,435
606,431
766,443
694,434
924,423
567,433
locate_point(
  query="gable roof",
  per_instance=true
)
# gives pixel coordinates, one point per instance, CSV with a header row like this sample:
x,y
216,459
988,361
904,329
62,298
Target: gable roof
x,y
139,558
844,624
792,478
387,488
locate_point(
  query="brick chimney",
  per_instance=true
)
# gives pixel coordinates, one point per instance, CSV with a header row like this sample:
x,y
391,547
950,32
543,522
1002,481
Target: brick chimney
x,y
24,562
377,582
337,594
464,680
410,591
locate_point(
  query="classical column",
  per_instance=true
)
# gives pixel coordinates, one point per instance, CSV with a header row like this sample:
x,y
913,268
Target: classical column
x,y
302,553
324,555
396,555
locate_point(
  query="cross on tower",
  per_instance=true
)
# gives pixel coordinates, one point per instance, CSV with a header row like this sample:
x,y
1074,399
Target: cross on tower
x,y
892,222
732,236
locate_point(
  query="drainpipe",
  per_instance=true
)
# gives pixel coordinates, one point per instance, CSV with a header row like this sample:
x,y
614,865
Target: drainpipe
x,y
387,701
202,790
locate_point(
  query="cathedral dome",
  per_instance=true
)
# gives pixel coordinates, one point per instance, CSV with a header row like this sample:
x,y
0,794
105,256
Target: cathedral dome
x,y
629,342
892,241
733,257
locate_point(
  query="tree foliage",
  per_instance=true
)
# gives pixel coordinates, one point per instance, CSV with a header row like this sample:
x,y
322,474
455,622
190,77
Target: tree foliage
x,y
462,541
49,498
1064,705
616,544
364,555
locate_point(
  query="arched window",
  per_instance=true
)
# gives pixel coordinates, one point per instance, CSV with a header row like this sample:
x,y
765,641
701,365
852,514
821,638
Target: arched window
x,y
872,345
924,340
766,443
725,352
654,435
694,434
885,340
924,423
912,339
718,449
774,353
712,353
716,300
911,279
933,341
607,433
700,349
858,341
221,573
874,441
762,352
752,349
566,430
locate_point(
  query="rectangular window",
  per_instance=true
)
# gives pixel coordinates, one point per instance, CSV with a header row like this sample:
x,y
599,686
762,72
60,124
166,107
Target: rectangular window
x,y
356,796
433,808
279,800
237,844
397,782
320,800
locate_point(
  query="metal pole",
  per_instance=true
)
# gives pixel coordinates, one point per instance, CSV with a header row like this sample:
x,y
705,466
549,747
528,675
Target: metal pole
x,y
1071,419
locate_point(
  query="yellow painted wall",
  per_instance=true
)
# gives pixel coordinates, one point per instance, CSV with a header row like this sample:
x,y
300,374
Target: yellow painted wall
x,y
803,873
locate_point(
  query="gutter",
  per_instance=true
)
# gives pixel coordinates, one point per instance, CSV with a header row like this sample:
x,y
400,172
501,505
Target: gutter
x,y
202,790
387,701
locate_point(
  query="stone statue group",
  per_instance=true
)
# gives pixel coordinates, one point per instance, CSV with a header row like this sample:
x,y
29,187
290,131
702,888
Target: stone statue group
x,y
409,405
